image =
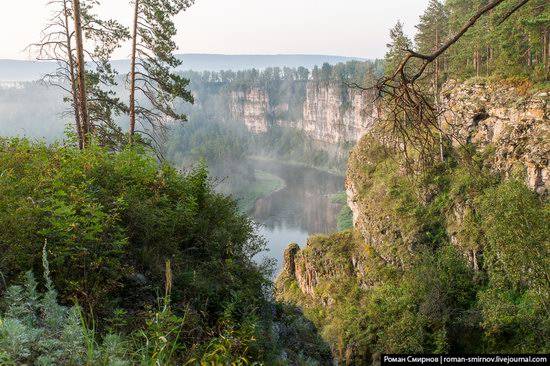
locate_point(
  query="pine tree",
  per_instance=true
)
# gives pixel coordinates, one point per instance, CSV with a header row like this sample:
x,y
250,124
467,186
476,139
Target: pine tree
x,y
103,103
82,101
432,33
464,57
397,48
63,40
152,64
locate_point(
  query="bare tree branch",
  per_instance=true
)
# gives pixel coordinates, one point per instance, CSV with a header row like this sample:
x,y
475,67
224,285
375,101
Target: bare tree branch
x,y
411,115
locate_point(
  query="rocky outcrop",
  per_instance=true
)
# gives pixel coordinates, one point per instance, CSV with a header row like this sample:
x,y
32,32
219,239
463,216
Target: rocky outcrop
x,y
322,264
512,121
514,124
332,112
391,232
335,113
251,106
508,124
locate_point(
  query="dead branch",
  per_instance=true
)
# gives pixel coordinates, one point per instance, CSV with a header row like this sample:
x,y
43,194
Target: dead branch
x,y
409,110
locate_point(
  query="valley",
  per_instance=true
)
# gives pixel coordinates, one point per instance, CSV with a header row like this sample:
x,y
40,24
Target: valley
x,y
200,183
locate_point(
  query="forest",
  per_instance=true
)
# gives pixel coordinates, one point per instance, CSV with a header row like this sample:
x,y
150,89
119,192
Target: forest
x,y
119,248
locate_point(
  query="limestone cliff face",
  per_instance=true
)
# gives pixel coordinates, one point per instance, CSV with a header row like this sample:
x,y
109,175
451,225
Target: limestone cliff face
x,y
251,106
511,125
514,122
332,112
335,113
322,264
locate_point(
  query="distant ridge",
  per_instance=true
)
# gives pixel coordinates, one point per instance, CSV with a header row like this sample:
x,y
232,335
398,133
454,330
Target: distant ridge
x,y
18,70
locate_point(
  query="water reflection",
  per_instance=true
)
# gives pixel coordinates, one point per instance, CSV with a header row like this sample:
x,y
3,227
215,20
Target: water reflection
x,y
302,208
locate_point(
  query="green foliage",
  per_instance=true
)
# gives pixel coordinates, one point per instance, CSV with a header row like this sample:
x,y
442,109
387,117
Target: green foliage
x,y
104,106
457,261
396,48
35,329
512,48
344,220
517,260
111,220
108,216
155,61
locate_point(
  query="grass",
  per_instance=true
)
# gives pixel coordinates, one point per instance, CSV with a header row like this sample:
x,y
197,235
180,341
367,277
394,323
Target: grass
x,y
344,219
339,197
264,185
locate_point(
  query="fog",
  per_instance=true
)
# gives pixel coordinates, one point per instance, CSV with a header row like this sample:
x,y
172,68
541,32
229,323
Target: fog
x,y
32,109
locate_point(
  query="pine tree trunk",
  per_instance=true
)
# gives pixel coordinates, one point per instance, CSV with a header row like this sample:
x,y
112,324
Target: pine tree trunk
x,y
72,77
436,93
476,61
546,52
81,76
528,54
488,60
132,105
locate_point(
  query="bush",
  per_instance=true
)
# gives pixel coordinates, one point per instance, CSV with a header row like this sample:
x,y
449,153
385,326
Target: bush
x,y
111,221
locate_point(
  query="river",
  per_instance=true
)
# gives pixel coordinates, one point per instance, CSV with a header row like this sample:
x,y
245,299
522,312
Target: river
x,y
303,207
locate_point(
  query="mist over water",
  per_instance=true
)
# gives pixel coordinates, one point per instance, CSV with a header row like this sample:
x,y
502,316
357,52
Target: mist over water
x,y
303,207
300,209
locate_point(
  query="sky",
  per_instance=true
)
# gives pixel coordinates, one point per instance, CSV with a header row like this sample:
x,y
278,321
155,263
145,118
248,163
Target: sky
x,y
357,28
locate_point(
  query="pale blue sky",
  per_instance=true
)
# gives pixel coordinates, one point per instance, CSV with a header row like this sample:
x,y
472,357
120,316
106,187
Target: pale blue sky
x,y
334,27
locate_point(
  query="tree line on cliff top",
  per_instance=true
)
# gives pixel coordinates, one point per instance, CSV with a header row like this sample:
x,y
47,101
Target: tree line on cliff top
x,y
501,39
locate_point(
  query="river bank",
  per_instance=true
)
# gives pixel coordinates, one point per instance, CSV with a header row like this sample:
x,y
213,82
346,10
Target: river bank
x,y
340,173
264,185
302,207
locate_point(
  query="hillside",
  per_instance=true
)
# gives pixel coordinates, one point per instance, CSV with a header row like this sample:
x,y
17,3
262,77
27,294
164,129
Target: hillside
x,y
113,259
451,260
449,190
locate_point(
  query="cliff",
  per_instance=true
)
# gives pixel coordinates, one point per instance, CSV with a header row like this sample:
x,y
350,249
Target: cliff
x,y
507,118
251,106
321,264
328,112
507,124
468,223
334,113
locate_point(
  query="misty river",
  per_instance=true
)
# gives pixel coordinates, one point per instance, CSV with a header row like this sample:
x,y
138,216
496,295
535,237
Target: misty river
x,y
300,209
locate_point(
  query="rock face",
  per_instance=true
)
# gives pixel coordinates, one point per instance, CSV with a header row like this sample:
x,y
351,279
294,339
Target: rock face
x,y
321,264
509,124
515,123
251,106
332,112
389,232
